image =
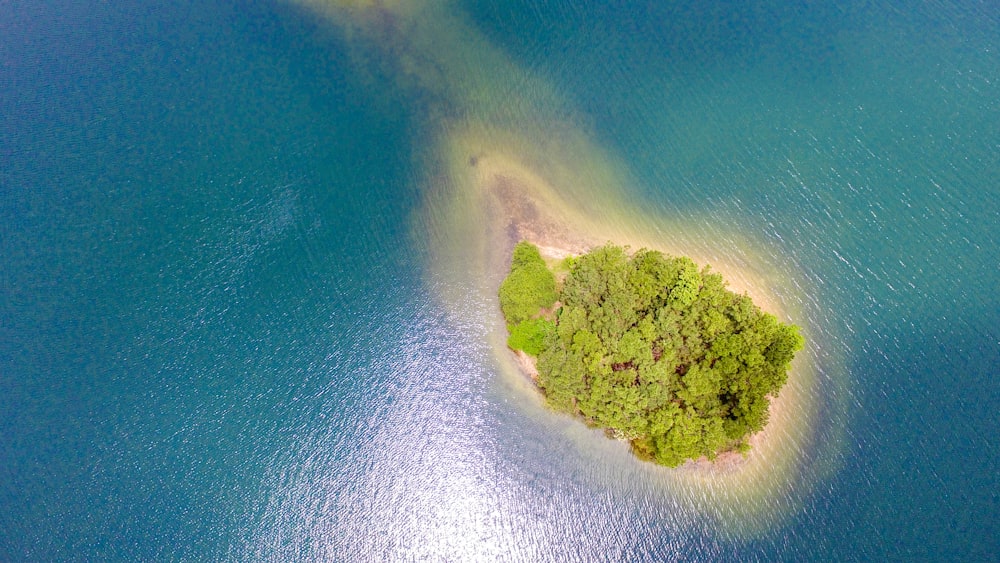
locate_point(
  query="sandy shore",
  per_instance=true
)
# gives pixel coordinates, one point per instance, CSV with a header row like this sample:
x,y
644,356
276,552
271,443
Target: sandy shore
x,y
521,206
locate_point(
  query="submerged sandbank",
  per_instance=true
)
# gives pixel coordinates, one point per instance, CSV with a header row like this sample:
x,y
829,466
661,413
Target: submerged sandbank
x,y
507,197
512,160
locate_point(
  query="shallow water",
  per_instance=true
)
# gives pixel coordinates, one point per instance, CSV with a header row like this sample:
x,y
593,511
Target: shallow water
x,y
232,327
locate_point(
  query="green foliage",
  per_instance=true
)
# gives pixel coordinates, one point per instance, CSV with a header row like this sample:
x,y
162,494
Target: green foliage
x,y
650,348
529,287
529,336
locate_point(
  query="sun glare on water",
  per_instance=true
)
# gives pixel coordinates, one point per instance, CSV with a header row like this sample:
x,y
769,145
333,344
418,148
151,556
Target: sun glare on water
x,y
501,160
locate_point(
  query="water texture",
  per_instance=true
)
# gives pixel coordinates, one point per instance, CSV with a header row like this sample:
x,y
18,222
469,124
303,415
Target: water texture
x,y
232,326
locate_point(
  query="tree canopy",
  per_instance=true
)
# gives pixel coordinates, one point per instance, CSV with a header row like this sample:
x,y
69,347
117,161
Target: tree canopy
x,y
528,289
650,348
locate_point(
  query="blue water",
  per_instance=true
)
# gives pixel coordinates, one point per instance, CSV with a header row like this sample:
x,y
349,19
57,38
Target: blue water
x,y
219,341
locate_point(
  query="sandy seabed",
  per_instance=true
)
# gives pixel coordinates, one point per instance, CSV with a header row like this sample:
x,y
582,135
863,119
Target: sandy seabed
x,y
506,160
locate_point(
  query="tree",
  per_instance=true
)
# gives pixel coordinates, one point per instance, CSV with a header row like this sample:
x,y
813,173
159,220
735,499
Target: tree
x,y
650,348
529,287
529,336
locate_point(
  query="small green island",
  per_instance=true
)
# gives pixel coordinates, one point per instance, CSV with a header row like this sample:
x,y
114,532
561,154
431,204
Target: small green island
x,y
648,347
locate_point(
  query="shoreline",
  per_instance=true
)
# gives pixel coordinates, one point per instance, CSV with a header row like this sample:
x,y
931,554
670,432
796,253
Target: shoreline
x,y
520,205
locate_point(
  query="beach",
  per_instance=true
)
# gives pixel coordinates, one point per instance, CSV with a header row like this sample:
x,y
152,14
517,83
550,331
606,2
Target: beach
x,y
519,203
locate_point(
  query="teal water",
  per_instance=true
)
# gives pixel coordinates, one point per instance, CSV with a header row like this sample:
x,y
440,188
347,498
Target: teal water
x,y
219,331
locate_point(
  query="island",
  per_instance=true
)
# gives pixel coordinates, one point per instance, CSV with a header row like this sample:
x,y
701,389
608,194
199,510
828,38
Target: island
x,y
648,347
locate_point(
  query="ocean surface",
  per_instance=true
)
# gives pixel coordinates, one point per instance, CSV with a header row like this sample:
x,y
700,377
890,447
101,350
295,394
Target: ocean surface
x,y
222,330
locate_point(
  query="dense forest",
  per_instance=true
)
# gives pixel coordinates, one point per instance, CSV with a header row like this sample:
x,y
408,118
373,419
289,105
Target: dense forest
x,y
649,347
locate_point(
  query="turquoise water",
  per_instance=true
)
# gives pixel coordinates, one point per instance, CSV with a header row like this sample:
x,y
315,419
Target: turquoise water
x,y
220,337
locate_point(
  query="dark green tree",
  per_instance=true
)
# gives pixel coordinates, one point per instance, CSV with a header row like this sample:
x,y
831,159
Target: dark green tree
x,y
529,287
